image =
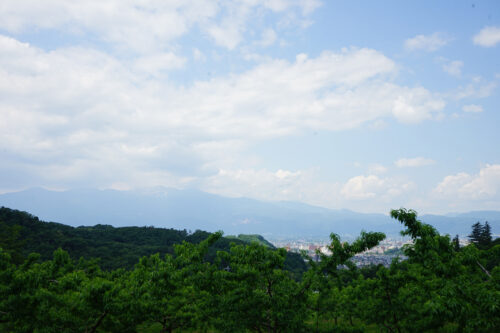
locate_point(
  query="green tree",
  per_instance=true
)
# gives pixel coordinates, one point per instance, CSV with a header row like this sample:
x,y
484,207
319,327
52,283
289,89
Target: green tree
x,y
170,291
326,276
477,233
435,288
456,243
57,296
11,242
486,235
481,235
256,293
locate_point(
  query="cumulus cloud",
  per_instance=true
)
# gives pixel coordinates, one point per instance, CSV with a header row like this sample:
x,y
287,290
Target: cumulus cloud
x,y
372,186
413,162
156,63
472,108
143,27
362,187
228,34
231,29
427,43
487,37
79,115
367,194
415,105
263,184
107,111
149,26
484,185
281,184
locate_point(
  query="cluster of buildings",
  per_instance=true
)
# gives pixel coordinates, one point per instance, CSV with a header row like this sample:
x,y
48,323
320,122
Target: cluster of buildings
x,y
382,254
362,260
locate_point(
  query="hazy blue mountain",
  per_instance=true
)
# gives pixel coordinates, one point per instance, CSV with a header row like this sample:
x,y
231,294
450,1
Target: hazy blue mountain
x,y
192,209
481,214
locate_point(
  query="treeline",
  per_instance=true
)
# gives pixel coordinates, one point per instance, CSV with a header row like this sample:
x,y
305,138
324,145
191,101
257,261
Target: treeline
x,y
439,288
23,233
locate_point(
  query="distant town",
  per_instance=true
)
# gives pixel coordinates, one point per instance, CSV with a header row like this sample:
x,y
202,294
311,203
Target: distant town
x,y
383,254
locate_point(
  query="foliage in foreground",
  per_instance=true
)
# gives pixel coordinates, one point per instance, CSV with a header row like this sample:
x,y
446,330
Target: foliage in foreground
x,y
438,289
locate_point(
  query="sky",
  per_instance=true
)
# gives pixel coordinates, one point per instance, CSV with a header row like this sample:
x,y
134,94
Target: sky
x,y
360,105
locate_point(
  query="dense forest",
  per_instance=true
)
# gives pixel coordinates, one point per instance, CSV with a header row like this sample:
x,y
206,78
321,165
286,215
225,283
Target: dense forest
x,y
115,248
55,278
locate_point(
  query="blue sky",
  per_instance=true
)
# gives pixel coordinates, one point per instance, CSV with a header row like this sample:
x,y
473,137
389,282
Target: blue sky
x,y
343,104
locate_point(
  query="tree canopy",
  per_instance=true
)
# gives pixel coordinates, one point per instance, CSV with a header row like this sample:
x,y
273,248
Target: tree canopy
x,y
247,288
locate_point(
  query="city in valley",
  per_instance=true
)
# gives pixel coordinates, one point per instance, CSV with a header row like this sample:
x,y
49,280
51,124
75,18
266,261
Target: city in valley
x,y
383,254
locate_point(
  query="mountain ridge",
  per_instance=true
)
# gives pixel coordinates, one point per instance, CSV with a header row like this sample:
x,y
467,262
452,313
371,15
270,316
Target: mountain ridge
x,y
194,209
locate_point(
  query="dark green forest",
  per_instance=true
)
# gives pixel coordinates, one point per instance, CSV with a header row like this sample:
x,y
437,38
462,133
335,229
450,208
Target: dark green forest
x,y
115,248
56,278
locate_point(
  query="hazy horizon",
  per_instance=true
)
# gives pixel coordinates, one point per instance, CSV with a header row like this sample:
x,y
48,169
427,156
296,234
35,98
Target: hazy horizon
x,y
159,187
193,209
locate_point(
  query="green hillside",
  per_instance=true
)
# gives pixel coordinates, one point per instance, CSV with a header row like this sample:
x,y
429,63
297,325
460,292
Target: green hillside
x,y
23,233
252,238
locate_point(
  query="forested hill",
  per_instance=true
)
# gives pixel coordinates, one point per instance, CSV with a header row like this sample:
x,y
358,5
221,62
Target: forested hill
x,y
22,234
253,238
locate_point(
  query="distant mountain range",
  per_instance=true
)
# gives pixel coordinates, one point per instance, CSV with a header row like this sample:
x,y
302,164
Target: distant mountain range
x,y
192,210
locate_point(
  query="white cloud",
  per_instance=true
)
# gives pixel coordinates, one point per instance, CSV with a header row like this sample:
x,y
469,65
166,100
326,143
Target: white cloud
x,y
155,63
427,43
484,185
476,89
450,185
416,105
367,194
472,108
149,25
143,27
362,187
228,34
413,162
453,68
264,184
78,116
371,187
487,37
108,113
309,6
